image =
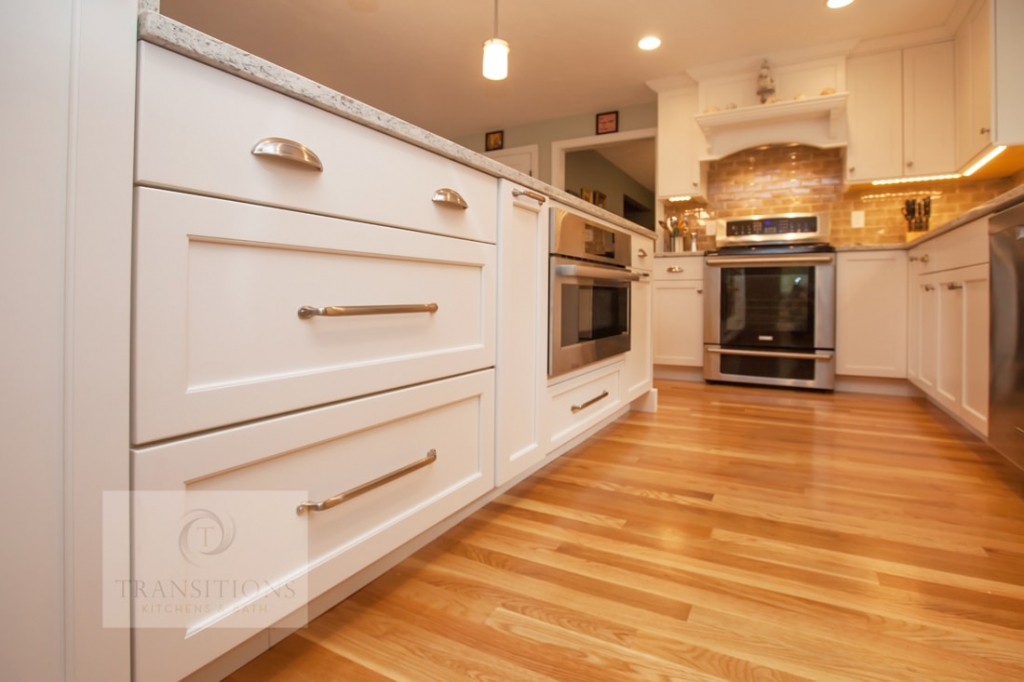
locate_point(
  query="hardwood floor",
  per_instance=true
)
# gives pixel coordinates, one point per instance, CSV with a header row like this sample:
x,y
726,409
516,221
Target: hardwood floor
x,y
737,534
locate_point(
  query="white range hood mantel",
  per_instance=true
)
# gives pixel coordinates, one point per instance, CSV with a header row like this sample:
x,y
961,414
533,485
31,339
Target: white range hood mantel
x,y
816,121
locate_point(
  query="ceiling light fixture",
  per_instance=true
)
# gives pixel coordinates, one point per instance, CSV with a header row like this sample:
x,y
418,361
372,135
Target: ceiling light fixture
x,y
649,43
496,53
985,159
836,4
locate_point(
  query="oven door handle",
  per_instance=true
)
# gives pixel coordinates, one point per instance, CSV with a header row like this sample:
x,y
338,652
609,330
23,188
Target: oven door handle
x,y
596,272
771,354
769,260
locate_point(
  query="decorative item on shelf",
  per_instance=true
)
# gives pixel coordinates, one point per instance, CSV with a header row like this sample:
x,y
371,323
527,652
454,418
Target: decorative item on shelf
x,y
587,195
765,83
599,199
917,212
828,91
607,122
494,140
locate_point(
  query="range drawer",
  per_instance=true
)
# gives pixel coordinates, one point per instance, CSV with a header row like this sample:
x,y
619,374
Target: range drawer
x,y
217,332
578,404
197,127
244,486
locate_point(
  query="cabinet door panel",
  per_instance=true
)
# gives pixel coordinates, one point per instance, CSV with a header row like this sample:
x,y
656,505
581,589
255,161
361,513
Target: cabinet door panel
x,y
639,369
974,397
950,342
871,314
928,110
875,112
928,324
522,331
679,323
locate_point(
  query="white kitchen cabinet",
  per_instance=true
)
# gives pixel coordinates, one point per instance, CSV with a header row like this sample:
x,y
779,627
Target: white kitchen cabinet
x,y
223,513
199,130
948,332
901,113
638,373
679,311
575,405
871,313
217,331
989,69
963,351
522,330
680,143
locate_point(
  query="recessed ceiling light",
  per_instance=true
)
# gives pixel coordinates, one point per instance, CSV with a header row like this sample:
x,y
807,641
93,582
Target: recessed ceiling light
x,y
649,43
836,4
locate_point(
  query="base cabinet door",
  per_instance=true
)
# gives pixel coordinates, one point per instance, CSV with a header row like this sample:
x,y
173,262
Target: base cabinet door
x,y
679,322
927,315
639,369
962,384
522,330
871,314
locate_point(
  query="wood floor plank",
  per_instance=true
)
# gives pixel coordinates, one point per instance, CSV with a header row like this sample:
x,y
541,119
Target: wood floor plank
x,y
739,533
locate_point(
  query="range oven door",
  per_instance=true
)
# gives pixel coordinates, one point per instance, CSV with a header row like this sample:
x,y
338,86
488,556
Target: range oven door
x,y
589,313
770,319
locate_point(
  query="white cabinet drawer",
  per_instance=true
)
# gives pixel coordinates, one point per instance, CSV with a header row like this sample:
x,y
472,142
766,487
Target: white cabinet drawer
x,y
966,245
275,465
578,404
196,127
667,269
217,338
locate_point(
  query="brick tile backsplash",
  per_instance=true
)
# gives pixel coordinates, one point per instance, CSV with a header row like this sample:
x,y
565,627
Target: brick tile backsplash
x,y
801,179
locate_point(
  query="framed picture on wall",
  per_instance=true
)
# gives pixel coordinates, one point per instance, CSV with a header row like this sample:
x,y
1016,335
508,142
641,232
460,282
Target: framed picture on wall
x,y
608,122
494,140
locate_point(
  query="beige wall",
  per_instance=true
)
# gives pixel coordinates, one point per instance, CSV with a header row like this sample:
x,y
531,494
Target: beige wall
x,y
805,179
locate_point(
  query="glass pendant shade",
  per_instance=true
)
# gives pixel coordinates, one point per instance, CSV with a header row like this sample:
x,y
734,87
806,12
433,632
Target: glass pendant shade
x,y
496,59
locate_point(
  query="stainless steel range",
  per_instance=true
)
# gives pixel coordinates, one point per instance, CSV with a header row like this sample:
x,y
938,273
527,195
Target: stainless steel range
x,y
769,310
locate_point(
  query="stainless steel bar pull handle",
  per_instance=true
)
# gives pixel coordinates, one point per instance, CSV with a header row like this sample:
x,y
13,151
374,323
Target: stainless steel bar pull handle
x,y
953,286
367,487
924,259
288,150
308,311
449,197
929,287
769,260
536,196
642,253
675,268
771,354
596,272
577,408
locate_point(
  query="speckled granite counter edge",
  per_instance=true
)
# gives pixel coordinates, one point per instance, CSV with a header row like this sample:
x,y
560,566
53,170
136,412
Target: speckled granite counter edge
x,y
170,34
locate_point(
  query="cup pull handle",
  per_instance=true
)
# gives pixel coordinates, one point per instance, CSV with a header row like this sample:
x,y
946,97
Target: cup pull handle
x,y
288,150
449,197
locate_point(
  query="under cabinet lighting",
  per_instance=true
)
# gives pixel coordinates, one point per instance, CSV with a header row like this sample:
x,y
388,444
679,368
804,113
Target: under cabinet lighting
x,y
919,178
684,198
985,159
836,4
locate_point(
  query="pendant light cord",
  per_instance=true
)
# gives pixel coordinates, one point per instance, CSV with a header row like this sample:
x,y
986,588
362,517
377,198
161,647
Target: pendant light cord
x,y
495,18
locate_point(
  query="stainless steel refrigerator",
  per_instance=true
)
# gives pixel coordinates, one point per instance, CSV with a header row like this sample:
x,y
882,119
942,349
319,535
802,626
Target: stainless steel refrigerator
x,y
1006,385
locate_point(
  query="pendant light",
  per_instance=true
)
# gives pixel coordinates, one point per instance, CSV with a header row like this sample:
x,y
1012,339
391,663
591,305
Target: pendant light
x,y
496,53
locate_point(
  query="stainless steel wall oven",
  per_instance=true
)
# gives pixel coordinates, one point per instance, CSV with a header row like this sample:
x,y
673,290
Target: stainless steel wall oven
x,y
589,292
769,315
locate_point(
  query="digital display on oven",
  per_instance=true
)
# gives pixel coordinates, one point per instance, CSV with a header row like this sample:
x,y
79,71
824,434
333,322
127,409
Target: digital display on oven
x,y
771,226
598,241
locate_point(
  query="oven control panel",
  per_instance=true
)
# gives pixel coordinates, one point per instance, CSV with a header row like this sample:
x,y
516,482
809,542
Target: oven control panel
x,y
781,229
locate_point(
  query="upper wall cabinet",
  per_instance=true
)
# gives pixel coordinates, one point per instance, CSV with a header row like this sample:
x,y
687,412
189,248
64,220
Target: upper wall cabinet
x,y
901,112
989,71
680,141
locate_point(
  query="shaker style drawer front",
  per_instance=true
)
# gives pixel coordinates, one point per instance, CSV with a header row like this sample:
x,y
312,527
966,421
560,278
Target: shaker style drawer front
x,y
670,269
582,402
203,130
407,459
243,311
964,246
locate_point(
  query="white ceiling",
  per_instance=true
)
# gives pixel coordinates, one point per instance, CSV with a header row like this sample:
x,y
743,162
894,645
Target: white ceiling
x,y
420,59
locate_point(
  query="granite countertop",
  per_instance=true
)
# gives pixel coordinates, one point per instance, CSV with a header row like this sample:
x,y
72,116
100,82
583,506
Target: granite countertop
x,y
160,30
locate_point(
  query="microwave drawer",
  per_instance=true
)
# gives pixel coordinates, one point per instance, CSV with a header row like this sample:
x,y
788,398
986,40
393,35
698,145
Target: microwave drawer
x,y
577,404
197,128
219,331
221,511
